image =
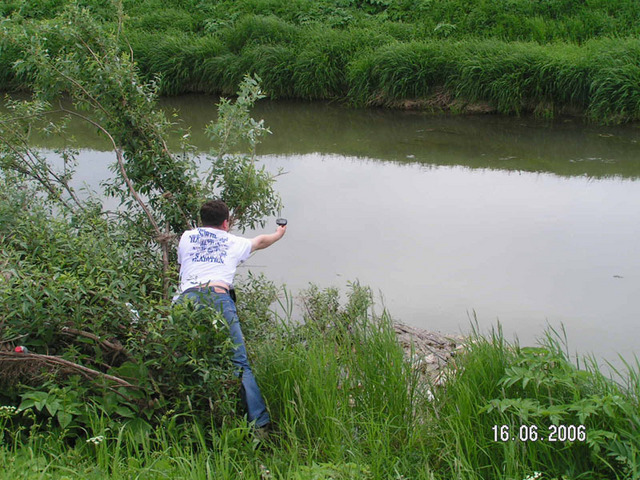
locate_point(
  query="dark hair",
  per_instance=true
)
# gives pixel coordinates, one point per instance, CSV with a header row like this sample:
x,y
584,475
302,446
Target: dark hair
x,y
213,213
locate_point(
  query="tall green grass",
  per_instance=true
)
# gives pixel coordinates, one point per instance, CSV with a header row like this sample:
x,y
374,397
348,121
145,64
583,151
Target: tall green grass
x,y
511,20
515,56
339,385
402,70
600,77
320,71
261,30
179,61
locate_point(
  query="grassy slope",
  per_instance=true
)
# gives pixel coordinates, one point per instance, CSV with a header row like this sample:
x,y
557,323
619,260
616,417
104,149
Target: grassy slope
x,y
346,407
515,55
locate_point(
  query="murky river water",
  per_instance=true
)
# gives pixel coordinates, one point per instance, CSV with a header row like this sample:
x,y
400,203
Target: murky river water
x,y
512,220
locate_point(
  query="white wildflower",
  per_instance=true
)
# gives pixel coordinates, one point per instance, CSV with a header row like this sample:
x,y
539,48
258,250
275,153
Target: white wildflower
x,y
534,476
7,411
96,440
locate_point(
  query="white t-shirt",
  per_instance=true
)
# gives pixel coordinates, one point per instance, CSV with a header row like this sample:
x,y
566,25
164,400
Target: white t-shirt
x,y
210,255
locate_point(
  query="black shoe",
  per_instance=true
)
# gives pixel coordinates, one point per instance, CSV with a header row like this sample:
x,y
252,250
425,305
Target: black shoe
x,y
262,433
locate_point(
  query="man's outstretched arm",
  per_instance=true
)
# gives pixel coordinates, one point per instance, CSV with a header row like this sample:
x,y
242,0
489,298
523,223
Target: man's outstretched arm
x,y
266,240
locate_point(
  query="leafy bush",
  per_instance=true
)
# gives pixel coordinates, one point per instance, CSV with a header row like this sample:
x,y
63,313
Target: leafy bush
x,y
89,293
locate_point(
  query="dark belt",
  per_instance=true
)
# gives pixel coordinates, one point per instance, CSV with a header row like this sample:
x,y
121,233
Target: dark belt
x,y
229,291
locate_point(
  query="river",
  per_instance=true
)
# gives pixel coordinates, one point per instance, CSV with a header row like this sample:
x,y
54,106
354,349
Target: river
x,y
451,219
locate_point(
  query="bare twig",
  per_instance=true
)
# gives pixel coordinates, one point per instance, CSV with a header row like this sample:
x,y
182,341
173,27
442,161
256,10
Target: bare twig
x,y
30,159
32,173
165,260
14,339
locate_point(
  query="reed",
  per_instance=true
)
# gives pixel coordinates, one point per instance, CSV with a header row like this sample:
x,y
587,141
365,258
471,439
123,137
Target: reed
x,y
515,56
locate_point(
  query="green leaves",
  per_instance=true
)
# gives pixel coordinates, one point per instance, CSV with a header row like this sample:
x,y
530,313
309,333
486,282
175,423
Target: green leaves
x,y
60,403
540,387
234,175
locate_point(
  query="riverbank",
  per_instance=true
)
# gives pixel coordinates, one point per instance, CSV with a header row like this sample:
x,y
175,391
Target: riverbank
x,y
510,58
150,390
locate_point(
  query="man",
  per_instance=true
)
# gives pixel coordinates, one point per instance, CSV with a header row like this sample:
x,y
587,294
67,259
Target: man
x,y
208,257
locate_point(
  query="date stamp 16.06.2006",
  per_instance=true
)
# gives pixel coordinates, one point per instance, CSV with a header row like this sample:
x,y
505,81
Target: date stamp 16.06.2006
x,y
533,433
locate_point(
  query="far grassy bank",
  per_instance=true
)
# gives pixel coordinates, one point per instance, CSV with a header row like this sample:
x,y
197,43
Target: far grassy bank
x,y
508,57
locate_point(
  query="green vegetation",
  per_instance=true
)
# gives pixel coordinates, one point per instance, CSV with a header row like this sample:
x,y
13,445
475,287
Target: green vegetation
x,y
86,276
118,383
510,56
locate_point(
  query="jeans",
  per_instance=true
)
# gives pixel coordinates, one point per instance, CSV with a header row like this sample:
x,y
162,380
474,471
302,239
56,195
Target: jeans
x,y
251,396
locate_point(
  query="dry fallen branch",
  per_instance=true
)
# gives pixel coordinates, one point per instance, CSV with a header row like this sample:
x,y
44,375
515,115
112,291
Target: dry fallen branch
x,y
116,348
429,352
13,339
65,365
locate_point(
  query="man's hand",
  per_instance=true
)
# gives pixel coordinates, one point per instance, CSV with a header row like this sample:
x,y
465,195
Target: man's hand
x,y
266,240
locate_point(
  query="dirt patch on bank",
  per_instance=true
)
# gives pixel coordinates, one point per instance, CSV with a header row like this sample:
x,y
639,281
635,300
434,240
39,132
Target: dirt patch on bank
x,y
442,101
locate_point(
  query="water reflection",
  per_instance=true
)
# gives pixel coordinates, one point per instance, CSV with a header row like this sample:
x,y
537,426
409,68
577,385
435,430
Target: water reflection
x,y
565,147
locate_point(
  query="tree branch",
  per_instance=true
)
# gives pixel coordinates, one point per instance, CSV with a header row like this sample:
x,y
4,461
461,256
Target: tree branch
x,y
57,361
32,172
123,171
106,344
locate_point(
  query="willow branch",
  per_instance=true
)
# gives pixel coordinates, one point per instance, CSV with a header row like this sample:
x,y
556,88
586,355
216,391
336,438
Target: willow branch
x,y
34,163
123,171
32,173
79,86
165,261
